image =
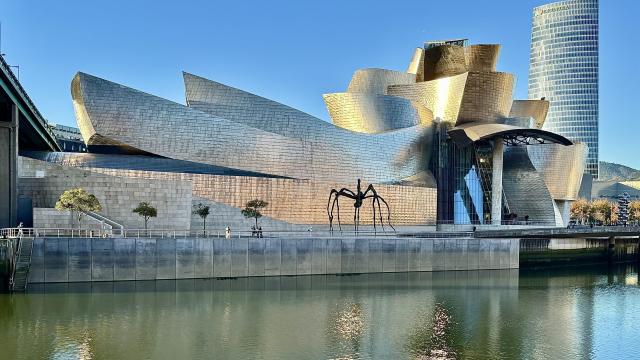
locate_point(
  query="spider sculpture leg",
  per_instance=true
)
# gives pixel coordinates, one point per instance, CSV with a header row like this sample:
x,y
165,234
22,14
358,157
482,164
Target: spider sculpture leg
x,y
339,224
377,200
373,203
380,198
330,212
335,194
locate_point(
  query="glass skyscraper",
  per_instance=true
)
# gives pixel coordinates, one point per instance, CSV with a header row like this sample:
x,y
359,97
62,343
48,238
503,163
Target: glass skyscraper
x,y
564,70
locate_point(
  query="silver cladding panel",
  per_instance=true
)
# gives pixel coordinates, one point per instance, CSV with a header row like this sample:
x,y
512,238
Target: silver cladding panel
x,y
442,96
525,189
561,167
373,113
287,145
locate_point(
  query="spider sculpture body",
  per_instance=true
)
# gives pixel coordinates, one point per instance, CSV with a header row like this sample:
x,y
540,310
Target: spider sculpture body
x,y
358,197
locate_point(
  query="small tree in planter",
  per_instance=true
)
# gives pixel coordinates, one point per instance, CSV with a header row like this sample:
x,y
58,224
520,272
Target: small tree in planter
x,y
78,201
202,211
147,211
252,209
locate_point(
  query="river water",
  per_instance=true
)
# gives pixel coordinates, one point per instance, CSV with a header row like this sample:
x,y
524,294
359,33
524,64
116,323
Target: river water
x,y
550,314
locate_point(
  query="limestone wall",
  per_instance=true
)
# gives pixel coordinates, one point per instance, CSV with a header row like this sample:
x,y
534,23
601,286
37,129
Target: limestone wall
x,y
44,183
49,218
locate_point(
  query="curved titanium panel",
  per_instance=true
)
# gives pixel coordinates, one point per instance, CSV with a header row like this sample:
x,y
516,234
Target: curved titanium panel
x,y
135,162
487,97
469,133
375,81
444,60
482,58
536,109
442,96
416,65
312,149
525,189
561,167
372,114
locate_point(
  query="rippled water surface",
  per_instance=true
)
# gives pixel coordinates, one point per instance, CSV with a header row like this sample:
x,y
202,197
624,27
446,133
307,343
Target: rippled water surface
x,y
557,314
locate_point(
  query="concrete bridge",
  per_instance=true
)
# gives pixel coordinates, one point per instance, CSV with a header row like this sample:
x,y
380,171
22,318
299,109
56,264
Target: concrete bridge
x,y
597,232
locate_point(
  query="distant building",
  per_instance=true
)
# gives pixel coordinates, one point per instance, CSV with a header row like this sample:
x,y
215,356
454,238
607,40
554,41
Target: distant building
x,y
69,138
564,70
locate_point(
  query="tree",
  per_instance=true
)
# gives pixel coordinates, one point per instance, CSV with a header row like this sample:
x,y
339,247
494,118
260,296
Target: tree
x,y
604,211
580,210
202,211
79,202
634,211
147,211
252,209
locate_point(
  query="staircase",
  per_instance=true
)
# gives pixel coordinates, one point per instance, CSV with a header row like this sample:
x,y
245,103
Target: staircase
x,y
23,263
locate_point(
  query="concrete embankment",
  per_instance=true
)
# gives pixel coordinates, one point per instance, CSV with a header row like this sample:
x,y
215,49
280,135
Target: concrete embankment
x,y
120,259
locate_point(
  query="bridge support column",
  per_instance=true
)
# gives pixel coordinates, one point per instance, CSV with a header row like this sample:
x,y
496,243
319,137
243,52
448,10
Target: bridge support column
x,y
9,166
496,182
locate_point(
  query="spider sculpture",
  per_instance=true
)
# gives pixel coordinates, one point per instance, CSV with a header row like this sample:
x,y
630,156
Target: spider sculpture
x,y
358,196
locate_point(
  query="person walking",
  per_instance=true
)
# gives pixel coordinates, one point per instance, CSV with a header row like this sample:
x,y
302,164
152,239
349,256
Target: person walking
x,y
227,232
20,226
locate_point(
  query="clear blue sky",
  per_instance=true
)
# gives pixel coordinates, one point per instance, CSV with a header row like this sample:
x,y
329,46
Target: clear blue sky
x,y
292,51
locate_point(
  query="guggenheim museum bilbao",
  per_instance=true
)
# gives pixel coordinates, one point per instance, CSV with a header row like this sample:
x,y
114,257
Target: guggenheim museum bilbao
x,y
443,142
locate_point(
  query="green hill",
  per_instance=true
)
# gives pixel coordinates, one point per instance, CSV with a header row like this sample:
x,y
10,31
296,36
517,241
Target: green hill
x,y
613,171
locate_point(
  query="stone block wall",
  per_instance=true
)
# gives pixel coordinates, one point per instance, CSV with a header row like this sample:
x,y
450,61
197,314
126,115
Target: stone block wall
x,y
119,259
44,183
49,218
299,201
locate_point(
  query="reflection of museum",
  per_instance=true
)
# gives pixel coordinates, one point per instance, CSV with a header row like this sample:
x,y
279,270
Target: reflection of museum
x,y
442,142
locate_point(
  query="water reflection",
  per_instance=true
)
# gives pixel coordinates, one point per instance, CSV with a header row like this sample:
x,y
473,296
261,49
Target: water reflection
x,y
571,313
433,339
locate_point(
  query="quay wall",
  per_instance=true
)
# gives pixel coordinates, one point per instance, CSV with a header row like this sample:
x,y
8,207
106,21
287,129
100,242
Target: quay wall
x,y
56,260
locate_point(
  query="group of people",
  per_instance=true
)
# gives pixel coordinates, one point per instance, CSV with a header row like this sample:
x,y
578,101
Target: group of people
x,y
257,232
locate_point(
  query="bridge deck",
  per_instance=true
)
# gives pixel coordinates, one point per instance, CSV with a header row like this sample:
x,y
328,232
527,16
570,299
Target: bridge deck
x,y
578,232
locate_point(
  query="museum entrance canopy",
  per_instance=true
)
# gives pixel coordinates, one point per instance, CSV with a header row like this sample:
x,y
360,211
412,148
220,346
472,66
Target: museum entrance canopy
x,y
466,134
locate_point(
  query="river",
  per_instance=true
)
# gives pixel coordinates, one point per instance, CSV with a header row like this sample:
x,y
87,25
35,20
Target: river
x,y
544,314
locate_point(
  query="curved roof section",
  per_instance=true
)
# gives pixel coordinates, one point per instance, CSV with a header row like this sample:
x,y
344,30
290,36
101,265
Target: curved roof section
x,y
373,113
376,81
469,133
482,57
561,167
311,149
442,96
536,109
240,106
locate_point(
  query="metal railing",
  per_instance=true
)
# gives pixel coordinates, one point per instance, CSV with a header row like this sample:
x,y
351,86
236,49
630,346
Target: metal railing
x,y
13,233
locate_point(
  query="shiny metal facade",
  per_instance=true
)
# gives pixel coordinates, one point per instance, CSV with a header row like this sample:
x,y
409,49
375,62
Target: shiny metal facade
x,y
301,147
536,109
232,146
373,113
482,57
487,97
561,167
376,81
443,96
564,69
